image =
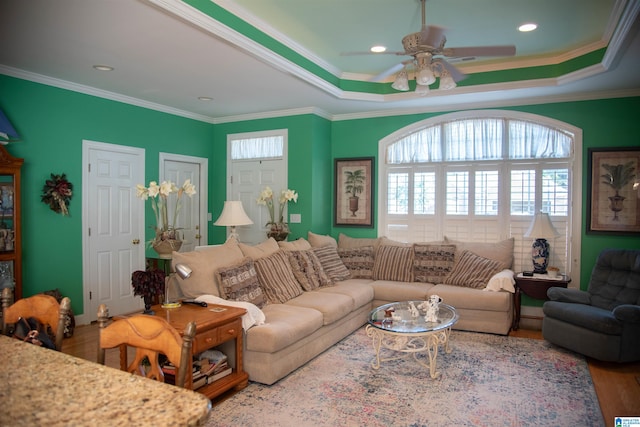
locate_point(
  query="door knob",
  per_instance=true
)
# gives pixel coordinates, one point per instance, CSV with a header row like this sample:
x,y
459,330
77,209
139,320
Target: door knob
x,y
136,241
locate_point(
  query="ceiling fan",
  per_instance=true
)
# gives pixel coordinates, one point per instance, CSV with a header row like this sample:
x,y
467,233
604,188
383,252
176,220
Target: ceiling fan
x,y
428,52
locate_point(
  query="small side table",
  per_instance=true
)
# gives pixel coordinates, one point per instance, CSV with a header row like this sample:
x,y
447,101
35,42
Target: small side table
x,y
535,286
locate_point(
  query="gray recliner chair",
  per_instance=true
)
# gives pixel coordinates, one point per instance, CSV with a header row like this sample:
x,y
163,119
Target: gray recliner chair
x,y
603,322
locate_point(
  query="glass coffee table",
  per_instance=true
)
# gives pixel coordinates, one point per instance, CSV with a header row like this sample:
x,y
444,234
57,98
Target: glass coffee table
x,y
408,332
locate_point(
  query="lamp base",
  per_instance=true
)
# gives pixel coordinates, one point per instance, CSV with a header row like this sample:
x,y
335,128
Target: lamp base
x,y
540,256
171,304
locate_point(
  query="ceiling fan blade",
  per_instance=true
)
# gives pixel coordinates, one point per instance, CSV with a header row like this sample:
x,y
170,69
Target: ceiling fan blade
x,y
431,35
456,74
388,72
507,50
371,53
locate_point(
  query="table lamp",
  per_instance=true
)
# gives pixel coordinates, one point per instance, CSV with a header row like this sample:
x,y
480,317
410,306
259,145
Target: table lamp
x,y
184,272
233,215
541,229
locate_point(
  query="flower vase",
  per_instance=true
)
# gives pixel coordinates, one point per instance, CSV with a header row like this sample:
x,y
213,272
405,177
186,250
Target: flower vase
x,y
279,231
165,243
147,305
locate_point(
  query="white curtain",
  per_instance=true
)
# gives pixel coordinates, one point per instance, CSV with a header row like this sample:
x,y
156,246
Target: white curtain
x,y
480,139
257,148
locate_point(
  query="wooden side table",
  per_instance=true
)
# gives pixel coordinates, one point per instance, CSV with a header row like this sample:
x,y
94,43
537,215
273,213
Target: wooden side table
x,y
217,326
535,286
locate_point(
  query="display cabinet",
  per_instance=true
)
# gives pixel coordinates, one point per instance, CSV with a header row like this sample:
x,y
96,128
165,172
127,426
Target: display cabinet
x,y
10,226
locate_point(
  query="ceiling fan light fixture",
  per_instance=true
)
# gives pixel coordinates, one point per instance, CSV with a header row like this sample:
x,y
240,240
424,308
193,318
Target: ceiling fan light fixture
x,y
425,76
446,81
401,82
422,90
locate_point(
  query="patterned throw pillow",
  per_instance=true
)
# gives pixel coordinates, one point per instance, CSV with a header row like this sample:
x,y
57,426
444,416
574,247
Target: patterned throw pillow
x,y
473,271
359,261
332,264
432,263
394,263
307,269
240,283
276,278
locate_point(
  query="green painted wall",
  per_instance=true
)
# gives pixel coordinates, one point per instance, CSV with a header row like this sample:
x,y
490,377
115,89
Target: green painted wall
x,y
54,122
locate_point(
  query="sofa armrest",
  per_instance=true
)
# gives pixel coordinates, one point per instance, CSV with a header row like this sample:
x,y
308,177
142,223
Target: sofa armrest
x,y
627,313
569,295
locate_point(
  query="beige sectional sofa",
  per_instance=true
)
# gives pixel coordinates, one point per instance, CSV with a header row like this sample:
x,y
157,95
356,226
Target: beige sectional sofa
x,y
312,293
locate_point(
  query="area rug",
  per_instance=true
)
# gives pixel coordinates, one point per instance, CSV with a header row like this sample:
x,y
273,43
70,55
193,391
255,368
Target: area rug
x,y
486,380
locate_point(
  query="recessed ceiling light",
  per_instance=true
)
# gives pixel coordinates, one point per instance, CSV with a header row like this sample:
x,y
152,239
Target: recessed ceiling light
x,y
205,98
103,68
529,26
378,49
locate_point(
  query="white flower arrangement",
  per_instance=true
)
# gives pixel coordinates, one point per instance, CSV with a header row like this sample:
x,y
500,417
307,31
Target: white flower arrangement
x,y
159,195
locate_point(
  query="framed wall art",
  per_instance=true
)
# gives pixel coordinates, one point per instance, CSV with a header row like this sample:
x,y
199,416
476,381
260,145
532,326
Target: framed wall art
x,y
613,196
354,192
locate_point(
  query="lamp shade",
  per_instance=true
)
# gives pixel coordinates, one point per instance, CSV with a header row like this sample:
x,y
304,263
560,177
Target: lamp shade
x,y
183,271
541,227
7,132
233,214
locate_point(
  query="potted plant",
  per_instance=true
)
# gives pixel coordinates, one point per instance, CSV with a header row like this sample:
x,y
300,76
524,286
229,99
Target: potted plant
x,y
279,230
354,185
148,284
166,239
617,177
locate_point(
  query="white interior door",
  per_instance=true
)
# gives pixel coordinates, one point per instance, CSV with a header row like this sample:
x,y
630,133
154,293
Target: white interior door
x,y
113,224
192,216
248,178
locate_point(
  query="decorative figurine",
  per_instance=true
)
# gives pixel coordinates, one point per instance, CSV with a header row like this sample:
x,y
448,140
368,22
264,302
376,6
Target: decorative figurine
x,y
432,306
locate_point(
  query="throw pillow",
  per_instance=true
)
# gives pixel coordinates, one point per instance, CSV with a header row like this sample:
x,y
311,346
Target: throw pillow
x,y
276,278
239,282
307,269
473,271
359,261
297,245
394,263
319,240
203,264
346,242
260,250
500,251
432,263
331,263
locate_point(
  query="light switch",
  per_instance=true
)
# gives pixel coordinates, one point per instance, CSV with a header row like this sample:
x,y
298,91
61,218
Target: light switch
x,y
295,218
209,216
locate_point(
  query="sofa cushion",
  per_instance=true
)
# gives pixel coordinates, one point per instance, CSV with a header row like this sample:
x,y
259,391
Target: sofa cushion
x,y
432,263
346,242
239,282
473,271
385,290
359,290
476,300
321,240
499,251
297,245
333,306
332,263
203,264
393,263
261,250
284,325
276,278
307,269
359,261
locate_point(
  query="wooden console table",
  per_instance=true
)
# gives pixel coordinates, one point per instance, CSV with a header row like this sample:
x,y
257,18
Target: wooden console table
x,y
217,326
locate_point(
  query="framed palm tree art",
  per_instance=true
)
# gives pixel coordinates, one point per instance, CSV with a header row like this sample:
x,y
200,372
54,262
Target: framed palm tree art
x,y
354,192
614,190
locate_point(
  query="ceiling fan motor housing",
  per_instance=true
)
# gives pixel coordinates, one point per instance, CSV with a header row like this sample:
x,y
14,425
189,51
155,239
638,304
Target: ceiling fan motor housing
x,y
411,43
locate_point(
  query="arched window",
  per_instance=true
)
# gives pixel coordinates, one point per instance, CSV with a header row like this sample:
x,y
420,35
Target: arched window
x,y
481,176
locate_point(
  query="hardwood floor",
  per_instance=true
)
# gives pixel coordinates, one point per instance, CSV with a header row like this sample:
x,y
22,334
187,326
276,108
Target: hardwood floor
x,y
617,385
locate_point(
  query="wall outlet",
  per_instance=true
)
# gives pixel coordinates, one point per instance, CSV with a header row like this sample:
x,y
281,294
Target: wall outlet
x,y
295,218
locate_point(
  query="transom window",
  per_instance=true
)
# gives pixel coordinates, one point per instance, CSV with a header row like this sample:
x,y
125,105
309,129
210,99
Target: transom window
x,y
480,176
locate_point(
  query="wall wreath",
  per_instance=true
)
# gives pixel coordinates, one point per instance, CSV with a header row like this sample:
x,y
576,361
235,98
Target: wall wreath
x,y
57,193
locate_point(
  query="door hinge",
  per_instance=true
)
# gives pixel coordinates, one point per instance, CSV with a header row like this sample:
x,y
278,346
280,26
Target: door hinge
x,y
89,231
89,167
231,178
90,295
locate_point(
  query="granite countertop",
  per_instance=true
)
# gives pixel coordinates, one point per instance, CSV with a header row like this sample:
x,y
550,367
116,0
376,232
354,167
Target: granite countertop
x,y
46,387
